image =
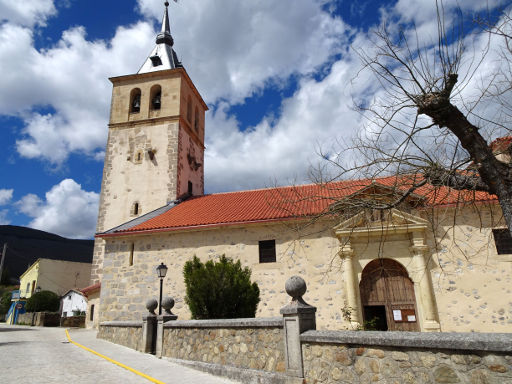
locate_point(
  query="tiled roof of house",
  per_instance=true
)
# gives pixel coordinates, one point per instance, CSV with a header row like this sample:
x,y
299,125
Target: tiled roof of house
x,y
91,288
283,203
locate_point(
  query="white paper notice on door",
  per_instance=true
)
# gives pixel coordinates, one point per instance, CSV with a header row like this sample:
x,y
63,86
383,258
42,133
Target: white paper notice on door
x,y
411,318
397,315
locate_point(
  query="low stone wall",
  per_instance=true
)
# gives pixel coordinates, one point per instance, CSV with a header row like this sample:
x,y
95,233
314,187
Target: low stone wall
x,y
73,321
406,357
40,319
242,343
127,333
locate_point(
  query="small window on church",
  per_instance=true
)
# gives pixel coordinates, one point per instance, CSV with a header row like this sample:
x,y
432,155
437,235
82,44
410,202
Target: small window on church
x,y
132,248
139,156
503,241
267,251
189,191
135,101
196,120
189,109
156,60
135,209
156,96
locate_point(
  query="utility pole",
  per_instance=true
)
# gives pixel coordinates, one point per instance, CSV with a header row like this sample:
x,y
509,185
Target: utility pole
x,y
2,262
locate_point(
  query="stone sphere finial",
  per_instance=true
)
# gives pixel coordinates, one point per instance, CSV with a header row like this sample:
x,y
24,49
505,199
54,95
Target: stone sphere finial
x,y
296,287
151,305
167,304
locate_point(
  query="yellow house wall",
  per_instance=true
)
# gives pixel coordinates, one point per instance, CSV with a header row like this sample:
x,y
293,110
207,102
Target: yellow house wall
x,y
30,275
471,283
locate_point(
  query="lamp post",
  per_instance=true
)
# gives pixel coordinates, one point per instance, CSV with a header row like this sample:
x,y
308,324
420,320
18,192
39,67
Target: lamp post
x,y
38,289
161,270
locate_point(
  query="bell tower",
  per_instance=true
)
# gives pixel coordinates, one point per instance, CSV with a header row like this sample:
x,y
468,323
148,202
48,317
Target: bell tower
x,y
155,146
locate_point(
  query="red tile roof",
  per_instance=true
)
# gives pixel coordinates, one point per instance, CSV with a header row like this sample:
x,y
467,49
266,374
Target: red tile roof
x,y
283,203
91,288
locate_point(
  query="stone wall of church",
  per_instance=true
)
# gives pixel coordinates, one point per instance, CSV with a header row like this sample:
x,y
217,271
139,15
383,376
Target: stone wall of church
x,y
122,333
311,254
471,283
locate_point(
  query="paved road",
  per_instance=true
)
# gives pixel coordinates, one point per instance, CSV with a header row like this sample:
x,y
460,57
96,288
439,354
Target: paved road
x,y
33,355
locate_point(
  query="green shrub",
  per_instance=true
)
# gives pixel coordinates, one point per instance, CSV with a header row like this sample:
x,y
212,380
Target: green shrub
x,y
44,301
220,290
5,302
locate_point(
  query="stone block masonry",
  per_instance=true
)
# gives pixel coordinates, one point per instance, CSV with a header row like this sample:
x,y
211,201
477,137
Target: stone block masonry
x,y
242,343
127,333
394,357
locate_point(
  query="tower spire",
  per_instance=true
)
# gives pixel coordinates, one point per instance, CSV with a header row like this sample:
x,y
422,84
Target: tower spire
x,y
165,33
163,55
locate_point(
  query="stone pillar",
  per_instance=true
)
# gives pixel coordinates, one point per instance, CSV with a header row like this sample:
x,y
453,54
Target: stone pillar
x,y
149,327
352,284
167,305
419,250
298,317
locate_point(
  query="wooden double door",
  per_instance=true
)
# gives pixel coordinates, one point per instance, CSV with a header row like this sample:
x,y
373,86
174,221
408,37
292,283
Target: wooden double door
x,y
387,296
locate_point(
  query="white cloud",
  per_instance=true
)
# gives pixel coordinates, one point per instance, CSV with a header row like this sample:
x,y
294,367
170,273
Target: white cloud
x,y
67,210
27,13
282,149
3,217
72,79
234,49
5,196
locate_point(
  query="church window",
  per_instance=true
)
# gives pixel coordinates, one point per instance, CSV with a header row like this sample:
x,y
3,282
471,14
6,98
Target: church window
x,y
189,109
196,120
267,250
503,241
156,60
132,248
139,156
189,191
135,101
156,97
135,209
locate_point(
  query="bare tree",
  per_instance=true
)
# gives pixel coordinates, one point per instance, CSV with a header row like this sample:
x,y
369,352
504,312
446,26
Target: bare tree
x,y
426,124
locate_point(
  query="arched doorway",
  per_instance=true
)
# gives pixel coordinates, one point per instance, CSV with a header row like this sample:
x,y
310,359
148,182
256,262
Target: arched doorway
x,y
387,295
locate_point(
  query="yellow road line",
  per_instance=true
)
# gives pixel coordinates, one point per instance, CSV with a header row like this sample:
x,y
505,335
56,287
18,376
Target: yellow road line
x,y
115,362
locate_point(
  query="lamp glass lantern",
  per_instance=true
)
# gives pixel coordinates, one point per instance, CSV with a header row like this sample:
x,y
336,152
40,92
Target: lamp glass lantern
x,y
38,289
161,270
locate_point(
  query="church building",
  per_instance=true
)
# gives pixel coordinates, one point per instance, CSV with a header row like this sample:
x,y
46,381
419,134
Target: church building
x,y
439,261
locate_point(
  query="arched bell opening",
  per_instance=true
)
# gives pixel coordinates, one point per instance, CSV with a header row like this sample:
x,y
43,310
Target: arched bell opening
x,y
135,95
387,297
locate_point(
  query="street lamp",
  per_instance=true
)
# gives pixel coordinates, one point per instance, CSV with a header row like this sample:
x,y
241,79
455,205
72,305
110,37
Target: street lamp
x,y
161,270
38,289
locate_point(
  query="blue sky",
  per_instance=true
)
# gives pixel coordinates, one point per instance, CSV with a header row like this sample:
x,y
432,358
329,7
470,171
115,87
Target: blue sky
x,y
279,78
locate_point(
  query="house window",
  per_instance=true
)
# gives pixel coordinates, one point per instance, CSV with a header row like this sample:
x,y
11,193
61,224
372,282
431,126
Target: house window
x,y
28,289
91,316
132,248
503,241
267,251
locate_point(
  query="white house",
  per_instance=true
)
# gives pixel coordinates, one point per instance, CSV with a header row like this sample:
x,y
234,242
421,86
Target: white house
x,y
72,302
